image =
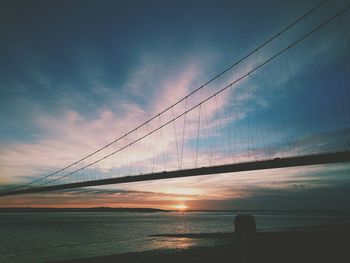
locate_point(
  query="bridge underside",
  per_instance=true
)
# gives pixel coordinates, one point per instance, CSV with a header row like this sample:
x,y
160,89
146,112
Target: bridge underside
x,y
326,158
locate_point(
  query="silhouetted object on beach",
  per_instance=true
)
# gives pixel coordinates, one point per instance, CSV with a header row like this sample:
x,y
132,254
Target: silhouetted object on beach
x,y
245,230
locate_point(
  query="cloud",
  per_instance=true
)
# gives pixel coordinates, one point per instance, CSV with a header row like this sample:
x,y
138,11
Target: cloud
x,y
93,197
325,198
69,135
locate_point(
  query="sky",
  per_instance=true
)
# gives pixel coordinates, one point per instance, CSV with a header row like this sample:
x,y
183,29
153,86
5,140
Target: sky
x,y
76,75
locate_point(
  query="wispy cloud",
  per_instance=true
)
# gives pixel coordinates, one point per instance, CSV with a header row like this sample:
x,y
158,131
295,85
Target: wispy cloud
x,y
92,197
69,135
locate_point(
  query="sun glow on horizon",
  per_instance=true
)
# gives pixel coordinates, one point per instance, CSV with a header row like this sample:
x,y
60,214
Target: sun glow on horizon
x,y
180,207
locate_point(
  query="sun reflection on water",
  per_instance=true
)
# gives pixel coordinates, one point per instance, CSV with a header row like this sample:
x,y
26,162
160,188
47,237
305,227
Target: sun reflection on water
x,y
173,243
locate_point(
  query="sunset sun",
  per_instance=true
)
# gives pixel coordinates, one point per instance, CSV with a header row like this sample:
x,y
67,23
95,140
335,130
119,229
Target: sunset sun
x,y
181,207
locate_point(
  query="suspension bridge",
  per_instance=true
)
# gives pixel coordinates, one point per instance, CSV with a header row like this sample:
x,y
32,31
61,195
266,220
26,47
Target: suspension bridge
x,y
261,112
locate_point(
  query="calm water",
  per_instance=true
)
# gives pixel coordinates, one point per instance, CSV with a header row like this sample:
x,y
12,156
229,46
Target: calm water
x,y
39,237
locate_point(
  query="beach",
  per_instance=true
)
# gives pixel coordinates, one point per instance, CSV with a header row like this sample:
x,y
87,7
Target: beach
x,y
316,244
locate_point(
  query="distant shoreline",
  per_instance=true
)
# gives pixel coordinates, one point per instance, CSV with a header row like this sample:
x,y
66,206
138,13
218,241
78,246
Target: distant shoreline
x,y
93,210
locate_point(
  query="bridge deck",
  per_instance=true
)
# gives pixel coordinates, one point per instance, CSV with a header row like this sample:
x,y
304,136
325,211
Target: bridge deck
x,y
326,158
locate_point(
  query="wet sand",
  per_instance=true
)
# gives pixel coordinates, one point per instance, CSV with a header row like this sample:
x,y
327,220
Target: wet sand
x,y
321,244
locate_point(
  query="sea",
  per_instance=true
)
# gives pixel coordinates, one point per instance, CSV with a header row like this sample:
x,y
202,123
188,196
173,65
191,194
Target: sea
x,y
43,237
